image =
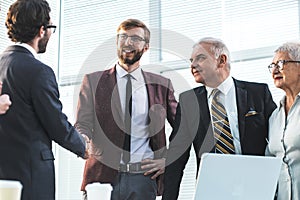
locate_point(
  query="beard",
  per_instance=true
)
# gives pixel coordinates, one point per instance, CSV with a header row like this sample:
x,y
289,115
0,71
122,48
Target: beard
x,y
136,57
42,44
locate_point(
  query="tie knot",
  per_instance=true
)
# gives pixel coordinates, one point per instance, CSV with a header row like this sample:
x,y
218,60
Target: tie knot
x,y
129,84
215,94
129,76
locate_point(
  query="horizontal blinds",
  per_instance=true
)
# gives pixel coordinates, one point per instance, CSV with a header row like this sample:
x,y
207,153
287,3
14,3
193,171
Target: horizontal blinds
x,y
251,30
4,40
89,34
85,42
51,55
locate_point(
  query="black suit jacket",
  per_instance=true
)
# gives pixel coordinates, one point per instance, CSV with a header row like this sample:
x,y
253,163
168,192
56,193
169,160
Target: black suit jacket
x,y
193,126
34,120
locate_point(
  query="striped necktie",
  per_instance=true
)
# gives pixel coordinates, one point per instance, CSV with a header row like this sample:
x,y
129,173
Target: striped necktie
x,y
221,127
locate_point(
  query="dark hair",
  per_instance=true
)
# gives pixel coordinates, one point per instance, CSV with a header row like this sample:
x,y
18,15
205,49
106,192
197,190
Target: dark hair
x,y
25,18
135,23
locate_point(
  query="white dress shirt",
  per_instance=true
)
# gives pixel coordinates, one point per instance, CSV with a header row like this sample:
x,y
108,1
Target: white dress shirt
x,y
228,99
140,146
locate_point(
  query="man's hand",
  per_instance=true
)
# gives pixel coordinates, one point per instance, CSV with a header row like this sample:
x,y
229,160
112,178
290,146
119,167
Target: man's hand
x,y
154,166
87,146
4,101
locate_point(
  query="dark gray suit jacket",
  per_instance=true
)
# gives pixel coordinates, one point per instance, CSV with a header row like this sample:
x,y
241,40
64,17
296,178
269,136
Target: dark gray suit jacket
x,y
34,120
193,126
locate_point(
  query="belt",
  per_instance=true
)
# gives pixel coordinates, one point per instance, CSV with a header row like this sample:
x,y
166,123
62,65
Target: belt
x,y
131,168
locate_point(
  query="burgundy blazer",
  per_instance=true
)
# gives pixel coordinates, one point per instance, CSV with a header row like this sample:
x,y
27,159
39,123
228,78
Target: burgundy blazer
x,y
99,116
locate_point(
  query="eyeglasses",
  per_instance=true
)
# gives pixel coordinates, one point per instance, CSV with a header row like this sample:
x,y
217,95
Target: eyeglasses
x,y
51,26
279,65
135,39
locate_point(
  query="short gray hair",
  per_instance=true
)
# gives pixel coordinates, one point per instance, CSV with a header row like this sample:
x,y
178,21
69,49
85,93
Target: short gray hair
x,y
292,48
218,47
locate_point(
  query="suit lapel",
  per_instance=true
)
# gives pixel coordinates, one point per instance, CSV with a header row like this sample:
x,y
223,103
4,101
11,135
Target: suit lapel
x,y
207,141
241,98
108,107
157,113
150,89
202,97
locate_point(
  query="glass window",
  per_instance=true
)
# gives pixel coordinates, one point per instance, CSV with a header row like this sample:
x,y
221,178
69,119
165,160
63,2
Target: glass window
x,y
85,41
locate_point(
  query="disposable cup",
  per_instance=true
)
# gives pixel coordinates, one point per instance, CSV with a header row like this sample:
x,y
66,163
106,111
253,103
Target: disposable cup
x,y
10,190
98,191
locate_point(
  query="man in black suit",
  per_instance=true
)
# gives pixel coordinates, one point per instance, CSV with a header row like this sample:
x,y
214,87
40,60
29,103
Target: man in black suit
x,y
35,118
248,107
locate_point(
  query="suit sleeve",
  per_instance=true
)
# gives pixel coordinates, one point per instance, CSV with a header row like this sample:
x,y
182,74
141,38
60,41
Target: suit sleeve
x,y
45,98
172,105
270,106
177,154
85,109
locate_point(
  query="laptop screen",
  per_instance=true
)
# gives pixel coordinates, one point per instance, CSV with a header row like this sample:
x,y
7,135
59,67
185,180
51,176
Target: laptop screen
x,y
237,177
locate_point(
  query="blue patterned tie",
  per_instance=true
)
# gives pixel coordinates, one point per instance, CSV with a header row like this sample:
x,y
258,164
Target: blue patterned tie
x,y
221,127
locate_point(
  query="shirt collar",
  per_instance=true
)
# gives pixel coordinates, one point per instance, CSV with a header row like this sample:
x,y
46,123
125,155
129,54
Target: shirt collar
x,y
28,47
283,100
136,74
224,87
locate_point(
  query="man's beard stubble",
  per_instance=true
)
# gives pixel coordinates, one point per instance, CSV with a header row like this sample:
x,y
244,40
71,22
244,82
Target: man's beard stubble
x,y
137,56
42,44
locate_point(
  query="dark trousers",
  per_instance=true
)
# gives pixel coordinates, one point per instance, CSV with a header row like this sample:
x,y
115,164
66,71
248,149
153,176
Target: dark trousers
x,y
134,186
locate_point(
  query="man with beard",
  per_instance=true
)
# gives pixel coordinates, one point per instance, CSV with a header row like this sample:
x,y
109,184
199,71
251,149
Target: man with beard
x,y
35,118
122,111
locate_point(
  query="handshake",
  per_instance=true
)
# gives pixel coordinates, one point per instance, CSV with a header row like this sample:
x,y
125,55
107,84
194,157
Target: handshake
x,y
87,146
4,101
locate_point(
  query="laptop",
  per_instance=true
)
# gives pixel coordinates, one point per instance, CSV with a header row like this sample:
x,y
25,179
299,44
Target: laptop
x,y
243,177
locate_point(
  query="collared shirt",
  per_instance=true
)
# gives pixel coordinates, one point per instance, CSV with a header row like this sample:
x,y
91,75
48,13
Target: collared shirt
x,y
29,48
140,146
284,142
228,99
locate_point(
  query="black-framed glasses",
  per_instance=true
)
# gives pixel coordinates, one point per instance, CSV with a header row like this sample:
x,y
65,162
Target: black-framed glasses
x,y
134,38
53,27
279,64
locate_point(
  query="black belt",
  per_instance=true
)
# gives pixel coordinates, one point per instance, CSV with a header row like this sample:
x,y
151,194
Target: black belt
x,y
131,168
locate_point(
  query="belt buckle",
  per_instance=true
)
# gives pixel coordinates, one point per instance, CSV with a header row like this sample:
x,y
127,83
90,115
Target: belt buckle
x,y
124,167
136,167
130,168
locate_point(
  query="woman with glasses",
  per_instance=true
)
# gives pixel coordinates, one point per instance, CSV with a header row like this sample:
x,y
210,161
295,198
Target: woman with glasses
x,y
284,126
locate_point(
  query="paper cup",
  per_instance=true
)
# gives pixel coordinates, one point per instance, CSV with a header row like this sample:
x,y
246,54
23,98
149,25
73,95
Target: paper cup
x,y
10,190
98,191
